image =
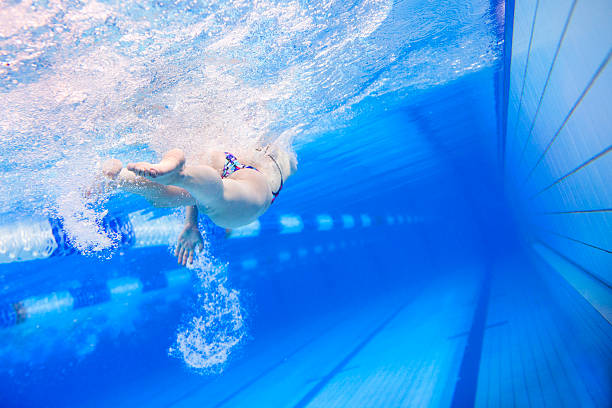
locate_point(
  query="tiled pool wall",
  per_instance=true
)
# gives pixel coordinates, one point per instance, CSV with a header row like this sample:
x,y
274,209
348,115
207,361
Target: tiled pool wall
x,y
556,158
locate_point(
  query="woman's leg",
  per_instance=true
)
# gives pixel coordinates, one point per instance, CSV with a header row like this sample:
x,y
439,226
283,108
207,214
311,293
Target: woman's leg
x,y
157,194
231,201
202,182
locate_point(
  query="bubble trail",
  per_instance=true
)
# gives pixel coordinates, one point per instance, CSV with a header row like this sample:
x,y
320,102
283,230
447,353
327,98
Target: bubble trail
x,y
216,324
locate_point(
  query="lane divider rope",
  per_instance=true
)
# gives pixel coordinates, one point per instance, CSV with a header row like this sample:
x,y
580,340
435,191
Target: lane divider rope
x,y
44,238
121,288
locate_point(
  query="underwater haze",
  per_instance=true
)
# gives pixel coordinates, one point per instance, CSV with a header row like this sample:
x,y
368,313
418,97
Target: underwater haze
x,y
396,267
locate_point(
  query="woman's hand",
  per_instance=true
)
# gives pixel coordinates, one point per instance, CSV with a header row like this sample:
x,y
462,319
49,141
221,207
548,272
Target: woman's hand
x,y
188,242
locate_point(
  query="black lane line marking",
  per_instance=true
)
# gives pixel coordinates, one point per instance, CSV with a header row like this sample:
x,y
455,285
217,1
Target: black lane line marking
x,y
586,163
258,376
573,239
458,335
467,383
310,395
573,263
315,379
489,326
569,114
272,367
552,64
598,210
496,324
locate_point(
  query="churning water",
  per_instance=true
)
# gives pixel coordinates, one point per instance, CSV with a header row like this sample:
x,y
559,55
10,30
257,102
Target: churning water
x,y
84,81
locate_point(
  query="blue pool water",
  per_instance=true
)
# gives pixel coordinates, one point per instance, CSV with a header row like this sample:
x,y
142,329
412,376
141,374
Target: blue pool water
x,y
445,242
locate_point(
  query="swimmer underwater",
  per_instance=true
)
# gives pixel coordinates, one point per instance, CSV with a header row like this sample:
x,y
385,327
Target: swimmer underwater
x,y
231,191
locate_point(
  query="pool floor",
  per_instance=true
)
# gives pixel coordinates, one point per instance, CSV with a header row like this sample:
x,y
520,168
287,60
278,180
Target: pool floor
x,y
540,344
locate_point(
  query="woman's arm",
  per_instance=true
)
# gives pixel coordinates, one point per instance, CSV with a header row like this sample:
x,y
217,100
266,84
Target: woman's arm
x,y
191,215
190,239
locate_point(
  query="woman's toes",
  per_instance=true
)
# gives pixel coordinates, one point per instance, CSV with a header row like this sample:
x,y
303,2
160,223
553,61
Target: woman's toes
x,y
145,169
135,167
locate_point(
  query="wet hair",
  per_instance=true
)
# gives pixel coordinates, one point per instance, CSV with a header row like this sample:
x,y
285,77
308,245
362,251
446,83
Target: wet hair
x,y
284,157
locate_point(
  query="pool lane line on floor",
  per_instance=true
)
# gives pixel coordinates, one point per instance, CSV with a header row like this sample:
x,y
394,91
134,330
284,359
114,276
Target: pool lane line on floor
x,y
258,376
269,369
272,367
314,391
467,382
487,327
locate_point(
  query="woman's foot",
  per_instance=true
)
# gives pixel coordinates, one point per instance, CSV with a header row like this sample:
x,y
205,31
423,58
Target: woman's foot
x,y
111,168
163,172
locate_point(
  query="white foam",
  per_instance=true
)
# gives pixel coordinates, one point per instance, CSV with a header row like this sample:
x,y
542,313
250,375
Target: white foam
x,y
90,80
